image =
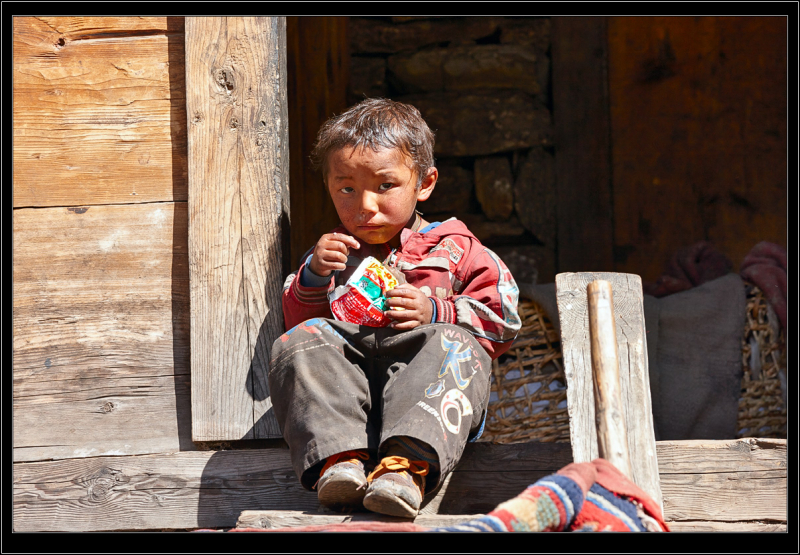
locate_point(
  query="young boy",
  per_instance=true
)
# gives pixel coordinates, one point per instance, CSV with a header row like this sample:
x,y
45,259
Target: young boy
x,y
407,396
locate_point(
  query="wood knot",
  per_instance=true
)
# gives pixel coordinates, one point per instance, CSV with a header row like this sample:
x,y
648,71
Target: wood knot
x,y
224,79
78,210
108,407
103,482
197,118
61,43
234,123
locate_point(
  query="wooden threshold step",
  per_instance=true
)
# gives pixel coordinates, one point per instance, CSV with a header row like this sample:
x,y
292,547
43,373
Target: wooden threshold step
x,y
271,520
290,519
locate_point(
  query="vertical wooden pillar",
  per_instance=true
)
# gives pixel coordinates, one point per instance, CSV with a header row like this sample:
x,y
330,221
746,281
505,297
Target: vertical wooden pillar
x,y
582,136
238,200
634,377
318,75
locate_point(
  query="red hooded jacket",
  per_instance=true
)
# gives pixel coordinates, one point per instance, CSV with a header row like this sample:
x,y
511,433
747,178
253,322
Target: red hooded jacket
x,y
468,284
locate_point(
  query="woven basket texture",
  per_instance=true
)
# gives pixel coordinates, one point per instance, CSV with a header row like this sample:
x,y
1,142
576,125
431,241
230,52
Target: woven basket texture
x,y
528,399
762,412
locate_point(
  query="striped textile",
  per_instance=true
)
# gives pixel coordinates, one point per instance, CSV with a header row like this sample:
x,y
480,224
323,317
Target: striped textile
x,y
581,497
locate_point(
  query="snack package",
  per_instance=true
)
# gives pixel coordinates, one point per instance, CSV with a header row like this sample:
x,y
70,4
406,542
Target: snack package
x,y
361,300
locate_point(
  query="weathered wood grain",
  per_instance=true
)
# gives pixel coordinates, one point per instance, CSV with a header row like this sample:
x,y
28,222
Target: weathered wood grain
x,y
698,113
237,197
582,141
318,65
708,456
270,520
101,324
99,111
290,519
742,526
212,488
571,296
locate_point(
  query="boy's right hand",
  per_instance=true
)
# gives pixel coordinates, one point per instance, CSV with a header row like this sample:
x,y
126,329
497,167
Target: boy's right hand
x,y
331,252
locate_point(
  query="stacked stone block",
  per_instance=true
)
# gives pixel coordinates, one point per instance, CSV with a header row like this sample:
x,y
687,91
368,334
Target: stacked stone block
x,y
483,86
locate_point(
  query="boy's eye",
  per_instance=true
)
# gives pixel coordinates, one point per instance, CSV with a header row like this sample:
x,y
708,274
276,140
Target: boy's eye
x,y
346,190
385,186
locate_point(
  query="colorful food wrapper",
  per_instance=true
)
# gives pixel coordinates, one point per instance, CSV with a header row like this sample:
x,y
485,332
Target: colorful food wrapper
x,y
361,299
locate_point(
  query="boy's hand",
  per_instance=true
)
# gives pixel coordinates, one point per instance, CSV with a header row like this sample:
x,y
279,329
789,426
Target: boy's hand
x,y
418,309
331,252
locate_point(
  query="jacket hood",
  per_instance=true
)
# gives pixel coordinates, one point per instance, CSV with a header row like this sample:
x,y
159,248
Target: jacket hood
x,y
448,227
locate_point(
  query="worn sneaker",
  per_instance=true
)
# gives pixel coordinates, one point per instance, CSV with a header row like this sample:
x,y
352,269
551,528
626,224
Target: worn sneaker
x,y
396,487
343,482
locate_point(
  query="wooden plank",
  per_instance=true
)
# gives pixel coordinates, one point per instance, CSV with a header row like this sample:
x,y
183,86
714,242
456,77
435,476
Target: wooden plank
x,y
99,111
267,520
572,300
708,456
101,331
318,77
237,199
711,526
270,520
210,489
698,114
582,139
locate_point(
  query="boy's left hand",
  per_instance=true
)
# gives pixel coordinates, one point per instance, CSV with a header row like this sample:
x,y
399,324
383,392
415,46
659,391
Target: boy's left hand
x,y
418,309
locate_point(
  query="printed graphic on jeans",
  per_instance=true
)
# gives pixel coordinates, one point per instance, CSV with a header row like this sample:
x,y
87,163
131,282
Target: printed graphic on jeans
x,y
453,358
455,400
435,389
308,326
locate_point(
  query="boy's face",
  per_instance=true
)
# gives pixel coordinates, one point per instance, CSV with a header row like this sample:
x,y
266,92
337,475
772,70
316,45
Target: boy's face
x,y
375,192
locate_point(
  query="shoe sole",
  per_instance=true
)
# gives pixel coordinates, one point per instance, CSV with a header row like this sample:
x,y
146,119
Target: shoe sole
x,y
386,503
343,492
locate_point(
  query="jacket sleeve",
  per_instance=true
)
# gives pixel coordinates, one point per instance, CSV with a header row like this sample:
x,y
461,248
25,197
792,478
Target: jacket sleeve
x,y
486,304
301,303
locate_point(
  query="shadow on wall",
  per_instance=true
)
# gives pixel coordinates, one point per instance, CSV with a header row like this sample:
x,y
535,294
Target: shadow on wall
x,y
259,478
180,239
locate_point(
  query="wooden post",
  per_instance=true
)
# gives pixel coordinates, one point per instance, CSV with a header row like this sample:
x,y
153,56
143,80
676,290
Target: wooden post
x,y
612,439
634,379
582,138
238,203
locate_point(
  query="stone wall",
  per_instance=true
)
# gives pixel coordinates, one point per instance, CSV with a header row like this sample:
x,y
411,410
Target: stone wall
x,y
483,86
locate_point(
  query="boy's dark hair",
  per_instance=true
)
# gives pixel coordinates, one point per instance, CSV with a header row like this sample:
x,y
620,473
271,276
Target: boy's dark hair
x,y
376,123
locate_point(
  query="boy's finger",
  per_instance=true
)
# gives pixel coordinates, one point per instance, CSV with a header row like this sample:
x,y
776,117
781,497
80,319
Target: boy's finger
x,y
407,325
348,240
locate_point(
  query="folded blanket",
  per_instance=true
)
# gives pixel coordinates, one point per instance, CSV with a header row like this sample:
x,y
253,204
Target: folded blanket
x,y
765,267
581,497
689,267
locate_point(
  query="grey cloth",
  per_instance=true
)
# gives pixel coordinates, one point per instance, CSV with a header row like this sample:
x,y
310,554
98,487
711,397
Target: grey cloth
x,y
694,356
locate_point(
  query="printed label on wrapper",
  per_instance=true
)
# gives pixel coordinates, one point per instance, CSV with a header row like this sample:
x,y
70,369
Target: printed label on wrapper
x,y
361,300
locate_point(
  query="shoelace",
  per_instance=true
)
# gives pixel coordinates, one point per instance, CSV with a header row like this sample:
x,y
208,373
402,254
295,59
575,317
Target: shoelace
x,y
398,464
344,456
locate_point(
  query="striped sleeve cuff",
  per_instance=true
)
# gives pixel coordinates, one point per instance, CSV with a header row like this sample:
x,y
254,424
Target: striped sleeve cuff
x,y
444,311
309,294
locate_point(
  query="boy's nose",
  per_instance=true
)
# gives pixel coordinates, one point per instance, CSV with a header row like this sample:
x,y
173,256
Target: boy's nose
x,y
369,203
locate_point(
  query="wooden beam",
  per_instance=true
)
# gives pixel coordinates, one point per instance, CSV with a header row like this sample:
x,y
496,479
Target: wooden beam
x,y
210,489
101,331
99,111
318,76
573,314
267,520
238,203
582,144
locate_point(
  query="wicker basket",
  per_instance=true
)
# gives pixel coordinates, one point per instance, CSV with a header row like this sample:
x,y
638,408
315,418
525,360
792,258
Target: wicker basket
x,y
762,412
528,400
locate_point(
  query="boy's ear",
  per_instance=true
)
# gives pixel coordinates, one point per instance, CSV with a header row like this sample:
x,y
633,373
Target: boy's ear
x,y
428,183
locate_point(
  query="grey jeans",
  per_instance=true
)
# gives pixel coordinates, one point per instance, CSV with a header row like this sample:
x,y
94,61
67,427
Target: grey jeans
x,y
337,386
